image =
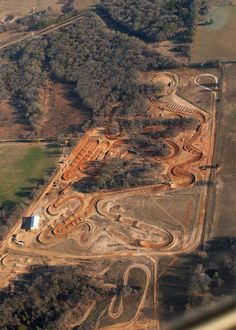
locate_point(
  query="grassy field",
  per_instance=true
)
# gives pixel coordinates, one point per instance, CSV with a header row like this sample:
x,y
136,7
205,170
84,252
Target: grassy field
x,y
222,206
216,41
83,4
21,166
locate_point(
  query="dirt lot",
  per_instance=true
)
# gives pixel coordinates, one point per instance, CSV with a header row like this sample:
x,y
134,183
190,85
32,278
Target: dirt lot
x,y
11,125
222,203
83,4
62,112
23,7
215,41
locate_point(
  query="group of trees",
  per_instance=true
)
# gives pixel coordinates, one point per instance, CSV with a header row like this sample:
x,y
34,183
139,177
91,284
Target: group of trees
x,y
101,65
104,65
117,174
151,20
22,76
46,297
147,136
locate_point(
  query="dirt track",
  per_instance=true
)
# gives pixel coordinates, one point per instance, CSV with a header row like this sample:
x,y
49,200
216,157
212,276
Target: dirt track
x,y
183,169
102,229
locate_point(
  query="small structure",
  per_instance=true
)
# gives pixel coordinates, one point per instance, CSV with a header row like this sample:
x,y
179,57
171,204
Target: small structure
x,y
31,223
34,222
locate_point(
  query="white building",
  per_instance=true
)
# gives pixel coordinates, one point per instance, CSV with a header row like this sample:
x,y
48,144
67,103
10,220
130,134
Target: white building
x,y
34,222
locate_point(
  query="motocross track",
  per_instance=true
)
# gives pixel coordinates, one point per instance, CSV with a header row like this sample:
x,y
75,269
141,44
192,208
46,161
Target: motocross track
x,y
104,225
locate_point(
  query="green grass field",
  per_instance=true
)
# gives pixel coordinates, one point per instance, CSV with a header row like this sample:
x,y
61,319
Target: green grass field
x,y
217,40
22,165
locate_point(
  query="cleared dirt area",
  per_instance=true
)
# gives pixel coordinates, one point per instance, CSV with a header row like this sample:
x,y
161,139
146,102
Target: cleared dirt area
x,y
23,7
11,125
83,4
62,111
215,41
122,234
62,114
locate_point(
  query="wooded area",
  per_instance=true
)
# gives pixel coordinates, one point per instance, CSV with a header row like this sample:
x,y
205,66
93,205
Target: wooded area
x,y
151,20
47,296
101,64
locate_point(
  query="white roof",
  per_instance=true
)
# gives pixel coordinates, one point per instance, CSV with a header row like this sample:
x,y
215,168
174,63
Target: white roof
x,y
34,223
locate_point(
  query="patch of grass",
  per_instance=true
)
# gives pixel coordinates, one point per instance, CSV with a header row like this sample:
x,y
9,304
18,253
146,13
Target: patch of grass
x,y
83,4
22,167
216,41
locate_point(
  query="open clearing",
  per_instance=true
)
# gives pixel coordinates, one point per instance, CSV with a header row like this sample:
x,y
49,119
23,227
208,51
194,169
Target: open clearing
x,y
23,7
21,166
62,112
216,41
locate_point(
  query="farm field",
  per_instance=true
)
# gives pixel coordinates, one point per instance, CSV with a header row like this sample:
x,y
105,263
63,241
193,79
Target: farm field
x,y
22,165
215,41
222,196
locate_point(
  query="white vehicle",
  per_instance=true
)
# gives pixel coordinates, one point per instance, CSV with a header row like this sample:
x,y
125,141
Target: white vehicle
x,y
20,243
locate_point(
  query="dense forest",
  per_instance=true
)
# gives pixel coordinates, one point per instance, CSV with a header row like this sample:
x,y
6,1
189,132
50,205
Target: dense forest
x,y
101,65
47,297
151,20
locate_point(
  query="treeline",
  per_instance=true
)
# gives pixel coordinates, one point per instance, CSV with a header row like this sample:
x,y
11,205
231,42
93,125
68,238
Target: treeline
x,y
47,298
152,20
22,75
